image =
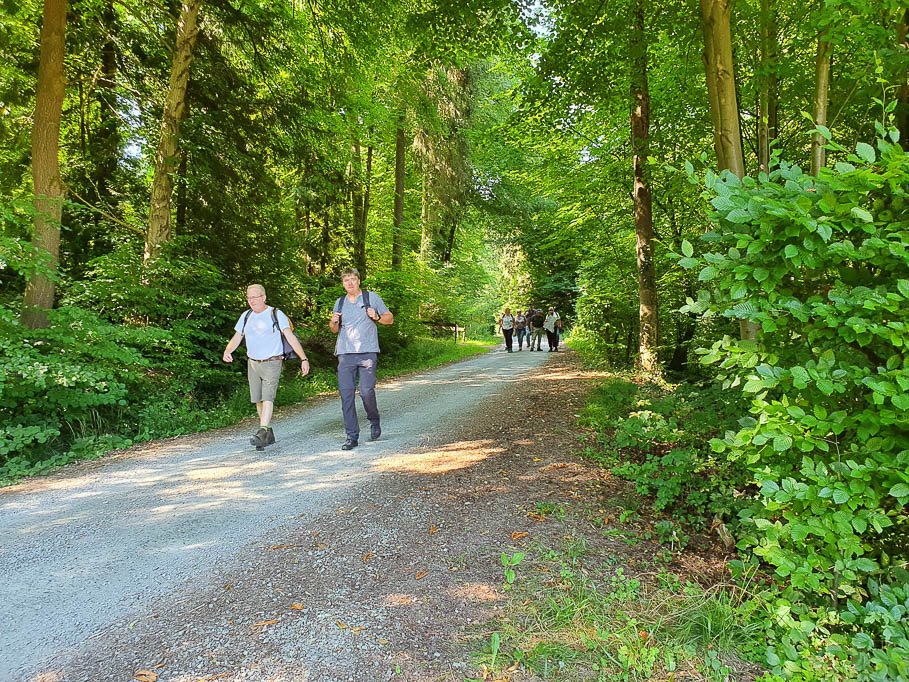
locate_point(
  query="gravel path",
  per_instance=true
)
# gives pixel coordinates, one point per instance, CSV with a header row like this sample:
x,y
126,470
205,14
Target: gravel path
x,y
107,543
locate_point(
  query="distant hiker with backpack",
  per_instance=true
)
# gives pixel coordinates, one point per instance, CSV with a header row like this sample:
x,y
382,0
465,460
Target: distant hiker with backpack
x,y
536,329
506,326
268,334
354,320
520,328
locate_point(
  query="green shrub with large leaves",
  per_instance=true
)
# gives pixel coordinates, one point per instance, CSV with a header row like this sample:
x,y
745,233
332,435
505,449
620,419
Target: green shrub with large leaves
x,y
820,266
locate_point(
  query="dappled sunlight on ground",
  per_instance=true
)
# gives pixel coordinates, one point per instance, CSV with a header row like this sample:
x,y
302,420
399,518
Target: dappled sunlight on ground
x,y
476,592
400,599
441,460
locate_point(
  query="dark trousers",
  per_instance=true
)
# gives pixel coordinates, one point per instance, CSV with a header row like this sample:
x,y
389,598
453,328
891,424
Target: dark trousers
x,y
553,340
354,367
508,333
521,333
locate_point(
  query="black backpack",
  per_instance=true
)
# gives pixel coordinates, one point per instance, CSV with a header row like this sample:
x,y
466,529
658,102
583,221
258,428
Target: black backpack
x,y
340,302
287,350
538,318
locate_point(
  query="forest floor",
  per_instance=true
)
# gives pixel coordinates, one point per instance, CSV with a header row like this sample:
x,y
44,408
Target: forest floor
x,y
405,580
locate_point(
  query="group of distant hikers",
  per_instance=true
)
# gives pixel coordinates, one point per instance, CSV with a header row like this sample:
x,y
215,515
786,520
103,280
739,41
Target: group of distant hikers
x,y
531,325
270,340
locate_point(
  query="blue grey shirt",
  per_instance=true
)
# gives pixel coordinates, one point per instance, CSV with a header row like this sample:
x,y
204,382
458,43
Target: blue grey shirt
x,y
358,334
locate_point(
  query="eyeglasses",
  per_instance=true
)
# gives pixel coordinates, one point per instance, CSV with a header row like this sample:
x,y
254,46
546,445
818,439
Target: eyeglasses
x,y
250,298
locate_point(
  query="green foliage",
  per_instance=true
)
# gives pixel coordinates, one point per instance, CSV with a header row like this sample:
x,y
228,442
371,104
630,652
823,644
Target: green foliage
x,y
658,439
821,267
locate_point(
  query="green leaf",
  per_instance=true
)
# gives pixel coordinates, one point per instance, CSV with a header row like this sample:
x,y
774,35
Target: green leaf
x,y
903,287
900,490
791,251
823,131
866,151
687,248
840,496
782,443
707,274
862,214
738,216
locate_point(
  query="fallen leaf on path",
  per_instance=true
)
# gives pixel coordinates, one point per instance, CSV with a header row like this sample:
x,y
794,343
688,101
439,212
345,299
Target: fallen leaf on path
x,y
266,622
297,607
537,517
145,676
368,554
209,678
537,459
420,575
357,629
320,545
518,535
382,641
341,625
282,546
433,529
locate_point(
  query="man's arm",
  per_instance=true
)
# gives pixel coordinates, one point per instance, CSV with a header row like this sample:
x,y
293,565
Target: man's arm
x,y
334,324
235,341
298,349
386,318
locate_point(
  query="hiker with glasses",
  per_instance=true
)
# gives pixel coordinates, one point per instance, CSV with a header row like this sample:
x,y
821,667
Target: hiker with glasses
x,y
267,332
354,320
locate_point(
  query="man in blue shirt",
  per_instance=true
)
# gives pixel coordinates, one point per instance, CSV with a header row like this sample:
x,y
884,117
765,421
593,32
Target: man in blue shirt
x,y
357,349
265,356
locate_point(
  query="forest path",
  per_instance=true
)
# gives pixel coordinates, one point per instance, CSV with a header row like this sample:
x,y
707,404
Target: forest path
x,y
98,541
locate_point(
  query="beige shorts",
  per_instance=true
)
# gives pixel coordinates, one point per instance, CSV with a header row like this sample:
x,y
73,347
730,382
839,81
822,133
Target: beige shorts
x,y
263,379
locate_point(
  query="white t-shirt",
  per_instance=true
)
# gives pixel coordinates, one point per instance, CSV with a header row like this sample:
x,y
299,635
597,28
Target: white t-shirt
x,y
550,322
263,341
507,321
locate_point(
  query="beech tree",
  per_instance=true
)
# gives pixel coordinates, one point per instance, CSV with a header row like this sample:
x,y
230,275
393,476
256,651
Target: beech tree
x,y
48,185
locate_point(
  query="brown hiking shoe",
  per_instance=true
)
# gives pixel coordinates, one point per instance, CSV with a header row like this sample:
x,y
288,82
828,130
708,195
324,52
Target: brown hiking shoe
x,y
260,438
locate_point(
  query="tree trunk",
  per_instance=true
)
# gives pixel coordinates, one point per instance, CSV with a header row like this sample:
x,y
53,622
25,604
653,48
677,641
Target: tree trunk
x,y
426,237
160,228
449,245
361,255
727,133
48,201
397,236
768,98
719,69
107,133
643,210
821,86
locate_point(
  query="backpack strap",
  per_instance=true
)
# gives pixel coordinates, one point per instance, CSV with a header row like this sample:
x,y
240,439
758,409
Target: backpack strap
x,y
365,298
245,320
274,319
338,304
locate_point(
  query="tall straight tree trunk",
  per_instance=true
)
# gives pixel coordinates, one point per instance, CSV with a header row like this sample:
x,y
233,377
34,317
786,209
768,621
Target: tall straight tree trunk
x,y
768,98
107,133
361,256
48,201
821,86
719,68
449,244
643,211
397,236
160,227
426,229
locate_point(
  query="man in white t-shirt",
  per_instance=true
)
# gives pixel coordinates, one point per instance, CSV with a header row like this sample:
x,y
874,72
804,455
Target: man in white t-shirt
x,y
263,327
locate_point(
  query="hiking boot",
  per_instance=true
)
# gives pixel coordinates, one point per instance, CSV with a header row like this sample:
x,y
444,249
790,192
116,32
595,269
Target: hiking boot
x,y
349,444
271,436
374,432
260,438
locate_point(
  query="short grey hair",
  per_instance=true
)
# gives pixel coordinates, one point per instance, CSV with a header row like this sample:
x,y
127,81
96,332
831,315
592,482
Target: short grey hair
x,y
258,288
350,271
